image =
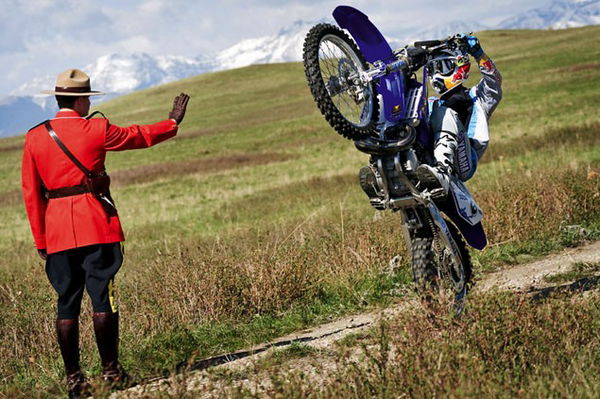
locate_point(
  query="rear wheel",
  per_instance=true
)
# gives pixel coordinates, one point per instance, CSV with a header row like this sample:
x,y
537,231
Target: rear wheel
x,y
436,270
333,63
423,263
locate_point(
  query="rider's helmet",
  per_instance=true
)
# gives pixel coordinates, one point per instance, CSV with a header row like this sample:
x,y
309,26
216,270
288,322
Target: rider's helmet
x,y
448,69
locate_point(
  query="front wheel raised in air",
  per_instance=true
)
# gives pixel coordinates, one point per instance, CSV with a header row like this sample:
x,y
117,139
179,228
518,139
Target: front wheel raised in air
x,y
435,269
333,63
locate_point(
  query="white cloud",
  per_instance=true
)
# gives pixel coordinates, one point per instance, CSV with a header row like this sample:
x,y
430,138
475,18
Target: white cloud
x,y
46,36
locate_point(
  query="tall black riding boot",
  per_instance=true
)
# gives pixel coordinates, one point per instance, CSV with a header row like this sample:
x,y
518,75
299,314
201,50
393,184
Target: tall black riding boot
x,y
106,328
67,332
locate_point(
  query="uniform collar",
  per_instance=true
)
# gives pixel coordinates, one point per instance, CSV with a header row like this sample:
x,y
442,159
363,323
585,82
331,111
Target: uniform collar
x,y
67,113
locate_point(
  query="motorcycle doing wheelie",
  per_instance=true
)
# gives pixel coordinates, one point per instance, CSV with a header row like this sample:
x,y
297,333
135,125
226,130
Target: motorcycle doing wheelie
x,y
371,95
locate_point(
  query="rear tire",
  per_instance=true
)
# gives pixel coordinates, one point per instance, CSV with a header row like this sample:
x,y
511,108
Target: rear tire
x,y
356,116
423,264
428,272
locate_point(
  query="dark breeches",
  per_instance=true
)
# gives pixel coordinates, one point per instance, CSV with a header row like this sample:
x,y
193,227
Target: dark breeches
x,y
93,267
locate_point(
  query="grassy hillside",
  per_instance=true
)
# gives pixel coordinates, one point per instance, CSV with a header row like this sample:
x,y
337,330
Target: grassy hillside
x,y
251,223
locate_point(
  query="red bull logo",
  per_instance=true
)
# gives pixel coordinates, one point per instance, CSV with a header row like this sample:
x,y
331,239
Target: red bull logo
x,y
486,64
462,73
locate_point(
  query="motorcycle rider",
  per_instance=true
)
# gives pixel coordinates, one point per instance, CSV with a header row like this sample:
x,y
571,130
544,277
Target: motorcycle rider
x,y
459,117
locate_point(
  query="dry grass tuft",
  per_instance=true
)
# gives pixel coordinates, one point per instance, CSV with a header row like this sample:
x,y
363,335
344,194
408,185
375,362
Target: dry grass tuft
x,y
520,207
11,198
214,280
584,136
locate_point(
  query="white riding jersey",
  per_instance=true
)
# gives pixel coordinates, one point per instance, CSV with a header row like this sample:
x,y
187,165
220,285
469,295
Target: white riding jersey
x,y
485,96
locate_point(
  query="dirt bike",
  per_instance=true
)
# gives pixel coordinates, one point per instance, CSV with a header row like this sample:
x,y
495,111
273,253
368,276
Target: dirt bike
x,y
371,95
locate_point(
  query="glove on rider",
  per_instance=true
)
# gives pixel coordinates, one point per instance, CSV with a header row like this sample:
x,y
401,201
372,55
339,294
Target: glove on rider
x,y
474,48
179,106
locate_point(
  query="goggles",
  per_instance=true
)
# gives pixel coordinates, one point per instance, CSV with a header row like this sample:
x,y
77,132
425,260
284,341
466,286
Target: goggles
x,y
445,66
442,66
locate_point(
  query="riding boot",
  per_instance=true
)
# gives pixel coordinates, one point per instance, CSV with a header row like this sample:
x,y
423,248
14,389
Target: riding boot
x,y
106,328
67,332
444,151
434,177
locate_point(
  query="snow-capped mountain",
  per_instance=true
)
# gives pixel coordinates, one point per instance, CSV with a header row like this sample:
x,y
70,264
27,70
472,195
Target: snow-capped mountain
x,y
559,15
118,74
115,74
285,46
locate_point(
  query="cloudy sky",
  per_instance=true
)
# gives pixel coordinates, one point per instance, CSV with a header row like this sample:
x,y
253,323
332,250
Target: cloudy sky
x,y
38,37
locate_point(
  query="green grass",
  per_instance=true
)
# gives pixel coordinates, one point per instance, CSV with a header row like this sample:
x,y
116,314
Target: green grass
x,y
250,223
579,270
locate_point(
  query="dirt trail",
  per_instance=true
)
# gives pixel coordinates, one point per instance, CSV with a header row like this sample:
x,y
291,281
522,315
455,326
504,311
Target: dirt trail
x,y
531,275
527,277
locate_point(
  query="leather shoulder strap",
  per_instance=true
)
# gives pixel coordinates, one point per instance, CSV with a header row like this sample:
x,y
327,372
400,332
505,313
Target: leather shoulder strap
x,y
90,116
64,149
41,123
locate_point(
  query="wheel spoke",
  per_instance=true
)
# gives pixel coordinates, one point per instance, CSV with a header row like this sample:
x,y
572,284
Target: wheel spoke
x,y
333,64
337,61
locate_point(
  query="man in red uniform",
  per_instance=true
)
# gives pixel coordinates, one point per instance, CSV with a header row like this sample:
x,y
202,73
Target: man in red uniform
x,y
75,226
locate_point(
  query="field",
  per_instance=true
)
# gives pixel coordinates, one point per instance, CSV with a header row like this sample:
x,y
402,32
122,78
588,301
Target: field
x,y
251,224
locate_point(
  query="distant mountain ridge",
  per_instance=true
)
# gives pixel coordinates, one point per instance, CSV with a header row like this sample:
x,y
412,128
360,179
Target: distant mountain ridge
x,y
19,113
119,74
559,15
285,46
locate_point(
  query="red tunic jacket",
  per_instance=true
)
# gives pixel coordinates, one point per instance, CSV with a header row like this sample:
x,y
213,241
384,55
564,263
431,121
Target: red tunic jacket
x,y
64,223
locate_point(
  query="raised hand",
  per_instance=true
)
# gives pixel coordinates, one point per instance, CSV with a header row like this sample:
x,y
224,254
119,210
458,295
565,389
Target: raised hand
x,y
473,46
179,106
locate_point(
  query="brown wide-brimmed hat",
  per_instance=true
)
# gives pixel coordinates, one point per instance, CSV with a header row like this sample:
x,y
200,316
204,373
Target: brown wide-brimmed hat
x,y
73,82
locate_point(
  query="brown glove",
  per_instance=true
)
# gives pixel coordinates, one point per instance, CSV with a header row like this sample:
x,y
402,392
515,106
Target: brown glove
x,y
43,254
179,105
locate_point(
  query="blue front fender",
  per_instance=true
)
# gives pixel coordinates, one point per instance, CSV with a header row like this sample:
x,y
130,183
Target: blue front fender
x,y
374,47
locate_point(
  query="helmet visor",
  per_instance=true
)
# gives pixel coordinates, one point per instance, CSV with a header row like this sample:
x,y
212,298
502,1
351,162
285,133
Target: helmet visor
x,y
444,66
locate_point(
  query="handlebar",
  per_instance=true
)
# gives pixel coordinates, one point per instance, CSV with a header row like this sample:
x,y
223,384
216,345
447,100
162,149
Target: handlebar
x,y
451,42
411,58
428,43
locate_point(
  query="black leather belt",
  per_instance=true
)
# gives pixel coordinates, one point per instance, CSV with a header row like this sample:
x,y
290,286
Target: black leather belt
x,y
68,191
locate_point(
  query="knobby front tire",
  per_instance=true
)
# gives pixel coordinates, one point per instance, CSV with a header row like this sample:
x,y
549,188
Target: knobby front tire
x,y
329,56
